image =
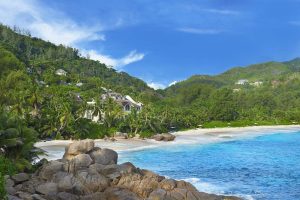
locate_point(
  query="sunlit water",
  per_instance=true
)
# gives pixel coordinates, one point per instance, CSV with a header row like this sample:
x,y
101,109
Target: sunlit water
x,y
265,167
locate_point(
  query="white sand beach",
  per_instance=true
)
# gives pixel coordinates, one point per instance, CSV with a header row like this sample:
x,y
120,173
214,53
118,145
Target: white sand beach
x,y
55,148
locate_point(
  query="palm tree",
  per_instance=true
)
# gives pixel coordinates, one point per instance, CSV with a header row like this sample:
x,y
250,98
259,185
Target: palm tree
x,y
112,113
17,140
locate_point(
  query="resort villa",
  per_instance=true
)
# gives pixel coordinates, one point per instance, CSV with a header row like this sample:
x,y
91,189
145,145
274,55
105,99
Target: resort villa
x,y
257,83
126,102
61,72
242,82
89,113
246,82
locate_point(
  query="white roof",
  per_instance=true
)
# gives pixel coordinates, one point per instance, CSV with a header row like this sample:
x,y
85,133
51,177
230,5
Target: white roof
x,y
93,102
61,71
133,101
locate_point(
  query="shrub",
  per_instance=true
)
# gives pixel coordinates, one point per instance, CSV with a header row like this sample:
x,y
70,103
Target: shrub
x,y
85,128
6,168
2,187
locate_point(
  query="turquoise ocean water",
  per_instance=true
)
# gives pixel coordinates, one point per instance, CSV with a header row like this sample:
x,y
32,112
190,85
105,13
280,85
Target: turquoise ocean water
x,y
264,167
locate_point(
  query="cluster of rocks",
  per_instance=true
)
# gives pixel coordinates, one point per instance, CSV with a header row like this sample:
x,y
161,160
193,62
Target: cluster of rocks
x,y
164,137
87,172
120,136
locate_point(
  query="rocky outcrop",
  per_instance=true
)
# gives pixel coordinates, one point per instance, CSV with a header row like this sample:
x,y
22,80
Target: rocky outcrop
x,y
164,137
78,147
90,173
104,156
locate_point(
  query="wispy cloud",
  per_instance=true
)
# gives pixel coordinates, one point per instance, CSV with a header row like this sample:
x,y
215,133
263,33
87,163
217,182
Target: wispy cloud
x,y
56,27
155,85
117,63
200,31
173,83
46,23
222,12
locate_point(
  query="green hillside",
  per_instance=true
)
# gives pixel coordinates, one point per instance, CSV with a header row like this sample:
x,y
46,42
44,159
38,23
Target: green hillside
x,y
45,101
44,58
37,103
269,96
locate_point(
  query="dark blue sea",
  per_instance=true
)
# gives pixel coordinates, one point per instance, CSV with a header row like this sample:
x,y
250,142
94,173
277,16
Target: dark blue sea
x,y
264,167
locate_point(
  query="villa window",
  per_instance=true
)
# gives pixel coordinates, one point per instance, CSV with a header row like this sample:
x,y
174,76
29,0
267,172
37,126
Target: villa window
x,y
127,107
89,115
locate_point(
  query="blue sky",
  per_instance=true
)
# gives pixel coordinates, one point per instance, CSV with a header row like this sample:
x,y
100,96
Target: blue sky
x,y
165,41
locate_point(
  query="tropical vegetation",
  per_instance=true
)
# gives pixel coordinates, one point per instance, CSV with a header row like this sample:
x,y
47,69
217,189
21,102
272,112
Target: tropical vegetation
x,y
36,103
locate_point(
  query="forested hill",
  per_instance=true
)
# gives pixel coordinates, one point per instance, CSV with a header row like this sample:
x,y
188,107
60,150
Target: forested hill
x,y
43,58
264,72
266,93
37,102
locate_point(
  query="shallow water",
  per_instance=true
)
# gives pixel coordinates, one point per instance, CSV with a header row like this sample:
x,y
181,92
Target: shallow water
x,y
265,167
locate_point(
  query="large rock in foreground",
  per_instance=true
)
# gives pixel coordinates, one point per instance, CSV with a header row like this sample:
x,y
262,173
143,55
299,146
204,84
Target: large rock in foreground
x,y
89,173
78,147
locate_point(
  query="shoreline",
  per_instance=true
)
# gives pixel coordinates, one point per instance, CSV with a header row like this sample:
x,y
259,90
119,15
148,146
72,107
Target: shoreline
x,y
56,148
199,136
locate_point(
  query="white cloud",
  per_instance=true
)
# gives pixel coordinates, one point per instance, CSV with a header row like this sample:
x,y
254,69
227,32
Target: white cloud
x,y
117,63
173,83
200,31
156,86
222,12
54,26
45,23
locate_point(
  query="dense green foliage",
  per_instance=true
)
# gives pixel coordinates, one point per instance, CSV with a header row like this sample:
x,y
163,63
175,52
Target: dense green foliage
x,y
35,103
46,103
274,100
7,167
